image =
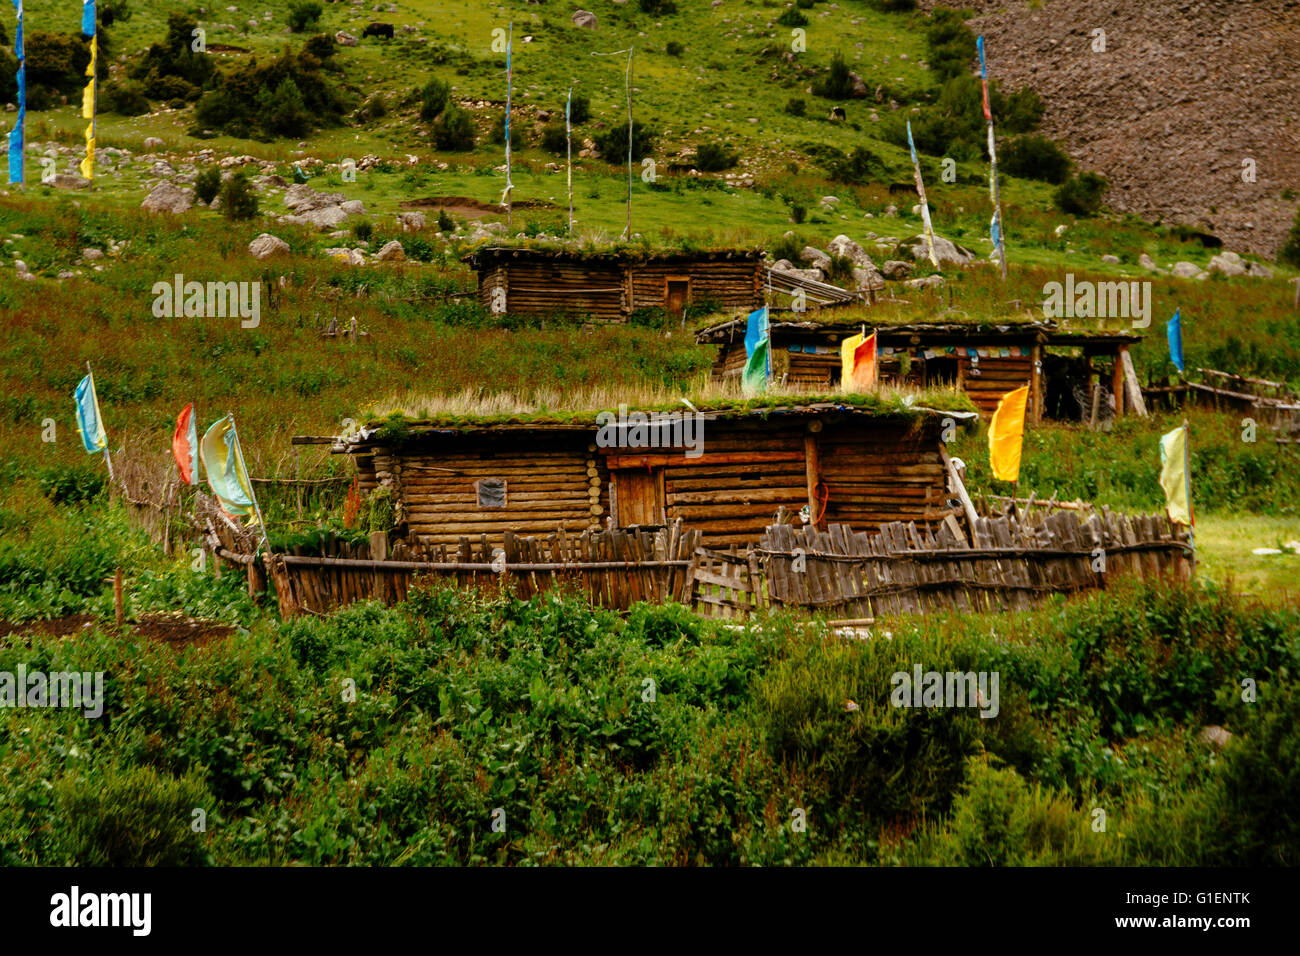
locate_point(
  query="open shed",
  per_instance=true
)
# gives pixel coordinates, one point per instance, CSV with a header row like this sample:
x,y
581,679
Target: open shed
x,y
611,284
861,460
983,360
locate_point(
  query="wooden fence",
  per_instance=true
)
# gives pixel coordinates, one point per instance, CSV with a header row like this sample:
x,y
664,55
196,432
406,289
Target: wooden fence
x,y
613,568
905,569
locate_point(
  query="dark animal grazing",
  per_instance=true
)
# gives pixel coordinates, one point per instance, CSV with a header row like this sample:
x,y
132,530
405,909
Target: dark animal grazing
x,y
837,114
378,30
896,189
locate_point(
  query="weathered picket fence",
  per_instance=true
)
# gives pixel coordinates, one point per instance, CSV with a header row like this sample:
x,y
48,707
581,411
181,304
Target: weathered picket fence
x,y
612,568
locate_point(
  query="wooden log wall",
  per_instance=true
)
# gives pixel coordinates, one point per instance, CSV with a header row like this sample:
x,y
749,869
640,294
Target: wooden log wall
x,y
550,481
593,288
988,377
733,284
875,473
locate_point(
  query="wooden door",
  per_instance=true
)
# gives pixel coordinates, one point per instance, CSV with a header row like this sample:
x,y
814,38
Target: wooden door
x,y
677,294
639,498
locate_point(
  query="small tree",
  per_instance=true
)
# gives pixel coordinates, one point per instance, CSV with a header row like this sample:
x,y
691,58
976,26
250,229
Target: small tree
x,y
238,201
445,222
838,84
712,158
579,109
453,130
433,98
1081,196
208,184
304,14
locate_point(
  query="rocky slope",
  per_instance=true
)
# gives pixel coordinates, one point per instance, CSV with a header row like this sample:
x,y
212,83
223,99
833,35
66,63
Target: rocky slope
x,y
1183,93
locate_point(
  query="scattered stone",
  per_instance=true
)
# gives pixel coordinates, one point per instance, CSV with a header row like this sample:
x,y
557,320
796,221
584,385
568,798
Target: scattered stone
x,y
1228,264
896,270
19,266
1113,260
585,19
1186,270
391,252
1146,262
945,250
153,142
1216,736
92,254
817,258
411,221
168,198
789,268
353,207
267,245
1259,270
927,282
68,181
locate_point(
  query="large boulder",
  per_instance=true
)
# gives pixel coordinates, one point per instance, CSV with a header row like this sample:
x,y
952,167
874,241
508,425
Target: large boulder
x,y
266,245
411,221
1186,270
896,270
844,246
1228,264
302,198
168,198
353,207
1259,270
1146,262
391,252
324,218
789,268
945,250
343,38
585,19
67,181
815,257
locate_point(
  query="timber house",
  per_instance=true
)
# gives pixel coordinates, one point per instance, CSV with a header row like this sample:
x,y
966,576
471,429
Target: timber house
x,y
859,460
984,361
610,285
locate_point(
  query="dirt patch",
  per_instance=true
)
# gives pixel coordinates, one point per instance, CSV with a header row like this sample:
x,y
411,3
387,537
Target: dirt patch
x,y
471,208
173,629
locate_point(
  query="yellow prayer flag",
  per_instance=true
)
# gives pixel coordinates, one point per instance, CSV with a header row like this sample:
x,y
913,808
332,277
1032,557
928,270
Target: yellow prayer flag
x,y
858,363
88,101
1174,477
1006,433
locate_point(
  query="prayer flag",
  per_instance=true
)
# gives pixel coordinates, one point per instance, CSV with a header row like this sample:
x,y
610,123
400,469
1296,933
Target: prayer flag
x,y
16,135
1006,434
185,446
858,363
90,423
1174,332
920,192
223,461
1175,476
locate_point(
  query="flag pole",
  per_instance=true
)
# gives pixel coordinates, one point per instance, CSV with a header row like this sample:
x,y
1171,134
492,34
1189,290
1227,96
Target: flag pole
x,y
1187,478
568,144
239,450
1000,239
509,88
627,233
95,395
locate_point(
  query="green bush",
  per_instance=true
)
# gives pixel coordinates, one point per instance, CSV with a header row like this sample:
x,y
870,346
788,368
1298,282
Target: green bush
x,y
1081,196
238,200
1290,251
796,107
434,97
787,247
283,111
657,7
453,130
674,48
304,14
322,46
363,230
131,816
172,68
73,484
1035,157
837,84
56,65
288,96
579,109
792,18
498,134
555,139
613,147
712,158
445,223
374,108
125,99
207,185
1261,783
950,43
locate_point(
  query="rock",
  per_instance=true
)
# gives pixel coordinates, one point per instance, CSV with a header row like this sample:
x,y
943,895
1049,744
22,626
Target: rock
x,y
1259,270
326,217
353,207
1059,231
891,210
302,198
168,198
19,266
1186,270
68,181
266,245
67,275
585,19
816,257
868,278
1228,264
411,221
842,245
162,168
927,282
92,254
1146,262
787,267
859,86
1215,735
945,250
896,270
1113,260
153,142
392,252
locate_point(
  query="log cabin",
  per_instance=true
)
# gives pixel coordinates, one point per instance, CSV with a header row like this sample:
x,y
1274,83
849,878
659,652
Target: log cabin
x,y
724,471
611,285
983,361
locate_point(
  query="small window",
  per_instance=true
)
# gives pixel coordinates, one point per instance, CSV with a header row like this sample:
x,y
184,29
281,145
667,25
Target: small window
x,y
491,492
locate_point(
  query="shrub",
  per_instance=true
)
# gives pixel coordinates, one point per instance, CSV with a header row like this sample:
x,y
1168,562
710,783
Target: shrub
x,y
208,184
1081,195
1021,112
837,84
125,99
712,158
787,247
657,7
950,43
304,14
792,18
612,144
238,200
796,107
374,108
579,109
1290,251
1261,785
498,135
72,484
1035,157
453,130
674,48
363,230
445,222
798,213
287,96
433,98
283,111
840,271
56,65
894,6
321,46
554,139
175,58
131,817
